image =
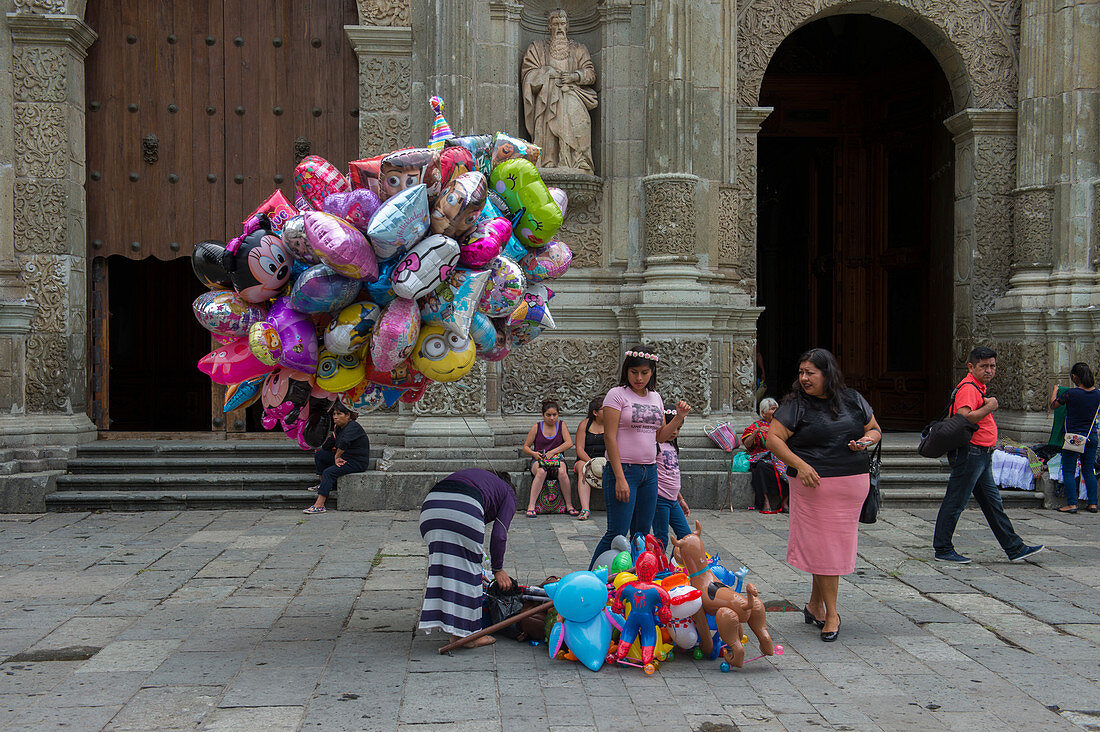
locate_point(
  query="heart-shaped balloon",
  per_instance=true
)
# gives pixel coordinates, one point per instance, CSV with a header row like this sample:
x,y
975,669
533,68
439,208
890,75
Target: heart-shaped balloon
x,y
356,207
395,334
341,246
316,178
485,242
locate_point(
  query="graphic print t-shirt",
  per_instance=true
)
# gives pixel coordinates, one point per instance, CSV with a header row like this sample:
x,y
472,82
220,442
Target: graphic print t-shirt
x,y
639,420
668,472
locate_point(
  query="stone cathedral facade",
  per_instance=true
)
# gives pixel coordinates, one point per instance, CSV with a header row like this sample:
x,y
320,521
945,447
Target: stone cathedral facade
x,y
668,233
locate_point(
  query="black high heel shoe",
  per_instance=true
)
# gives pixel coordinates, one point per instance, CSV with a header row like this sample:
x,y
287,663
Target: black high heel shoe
x,y
831,636
809,618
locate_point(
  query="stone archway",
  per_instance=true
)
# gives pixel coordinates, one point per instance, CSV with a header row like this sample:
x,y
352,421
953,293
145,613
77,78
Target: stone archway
x,y
977,45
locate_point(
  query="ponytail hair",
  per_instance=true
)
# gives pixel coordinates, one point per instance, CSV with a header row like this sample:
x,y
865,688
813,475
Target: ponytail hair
x,y
1083,374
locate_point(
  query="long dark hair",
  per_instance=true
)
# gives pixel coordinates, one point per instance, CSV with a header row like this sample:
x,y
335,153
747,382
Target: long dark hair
x,y
836,392
1083,373
630,361
594,406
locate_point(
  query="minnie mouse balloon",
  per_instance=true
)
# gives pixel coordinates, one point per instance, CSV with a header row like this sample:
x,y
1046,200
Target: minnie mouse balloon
x,y
207,261
356,207
316,178
454,303
399,222
341,246
485,242
425,265
395,334
548,262
505,289
321,290
459,204
225,313
260,265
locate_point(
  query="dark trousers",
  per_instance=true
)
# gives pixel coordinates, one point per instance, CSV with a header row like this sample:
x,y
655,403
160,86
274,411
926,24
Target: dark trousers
x,y
972,472
325,463
766,481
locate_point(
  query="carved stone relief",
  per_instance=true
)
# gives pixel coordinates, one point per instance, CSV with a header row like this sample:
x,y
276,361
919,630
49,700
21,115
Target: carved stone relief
x,y
40,6
40,141
381,133
571,370
582,229
1023,376
39,74
385,84
1031,218
1096,226
40,216
744,375
985,33
47,281
47,364
670,213
464,397
683,372
384,12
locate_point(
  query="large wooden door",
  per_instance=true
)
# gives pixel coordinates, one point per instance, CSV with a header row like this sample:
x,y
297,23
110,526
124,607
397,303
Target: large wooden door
x,y
855,220
197,111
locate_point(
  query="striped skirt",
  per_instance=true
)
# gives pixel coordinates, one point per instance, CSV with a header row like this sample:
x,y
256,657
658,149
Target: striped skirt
x,y
452,521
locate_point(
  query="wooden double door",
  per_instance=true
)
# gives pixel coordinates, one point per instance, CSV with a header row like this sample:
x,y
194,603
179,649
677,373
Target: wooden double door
x,y
855,227
198,110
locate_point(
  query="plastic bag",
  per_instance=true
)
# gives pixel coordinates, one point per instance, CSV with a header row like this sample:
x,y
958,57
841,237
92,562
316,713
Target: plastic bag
x,y
386,461
501,605
740,462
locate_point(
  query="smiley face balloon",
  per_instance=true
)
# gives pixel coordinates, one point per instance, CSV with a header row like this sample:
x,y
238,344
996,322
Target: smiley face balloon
x,y
336,373
441,355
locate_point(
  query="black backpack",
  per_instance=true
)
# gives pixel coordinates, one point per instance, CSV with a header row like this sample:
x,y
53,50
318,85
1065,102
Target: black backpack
x,y
947,433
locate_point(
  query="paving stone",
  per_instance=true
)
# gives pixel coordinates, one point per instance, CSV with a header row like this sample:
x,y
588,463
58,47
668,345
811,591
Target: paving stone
x,y
43,716
164,708
203,668
249,719
97,689
130,655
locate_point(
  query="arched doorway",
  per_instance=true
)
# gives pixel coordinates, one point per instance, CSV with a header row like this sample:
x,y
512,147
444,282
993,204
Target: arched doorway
x,y
855,204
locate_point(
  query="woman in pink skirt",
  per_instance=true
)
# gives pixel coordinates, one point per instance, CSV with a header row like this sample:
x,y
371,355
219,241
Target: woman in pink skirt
x,y
822,432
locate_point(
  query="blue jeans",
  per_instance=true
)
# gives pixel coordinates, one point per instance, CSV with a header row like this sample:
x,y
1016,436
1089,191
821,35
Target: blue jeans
x,y
325,464
634,515
972,472
669,513
1088,472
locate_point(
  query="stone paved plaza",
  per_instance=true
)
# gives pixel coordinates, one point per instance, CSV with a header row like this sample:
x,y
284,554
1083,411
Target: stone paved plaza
x,y
244,620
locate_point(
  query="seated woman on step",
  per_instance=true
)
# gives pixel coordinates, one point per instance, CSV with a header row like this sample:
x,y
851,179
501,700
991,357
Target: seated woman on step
x,y
347,450
546,442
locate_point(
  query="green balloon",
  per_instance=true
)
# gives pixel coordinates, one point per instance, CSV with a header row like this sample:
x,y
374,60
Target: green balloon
x,y
621,563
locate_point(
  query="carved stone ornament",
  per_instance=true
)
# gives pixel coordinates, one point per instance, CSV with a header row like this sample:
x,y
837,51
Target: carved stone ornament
x,y
463,397
572,371
382,133
384,12
39,74
1023,376
47,280
1032,214
582,230
744,375
40,140
384,84
984,33
1096,227
670,215
684,372
40,6
40,216
47,383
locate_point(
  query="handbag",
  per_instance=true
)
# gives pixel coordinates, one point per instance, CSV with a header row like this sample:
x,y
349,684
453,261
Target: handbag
x,y
1075,441
723,436
869,513
946,433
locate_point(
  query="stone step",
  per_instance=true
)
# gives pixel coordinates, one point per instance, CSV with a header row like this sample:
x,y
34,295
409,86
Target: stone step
x,y
174,500
192,464
173,448
168,481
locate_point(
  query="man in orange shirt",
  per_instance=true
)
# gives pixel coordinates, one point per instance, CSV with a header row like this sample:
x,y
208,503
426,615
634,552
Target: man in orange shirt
x,y
971,467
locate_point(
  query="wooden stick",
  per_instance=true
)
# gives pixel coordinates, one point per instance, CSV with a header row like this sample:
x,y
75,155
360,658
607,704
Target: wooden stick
x,y
502,624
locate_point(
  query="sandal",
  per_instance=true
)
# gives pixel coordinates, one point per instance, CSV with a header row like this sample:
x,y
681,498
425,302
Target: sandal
x,y
583,515
313,488
531,513
1068,509
572,511
315,509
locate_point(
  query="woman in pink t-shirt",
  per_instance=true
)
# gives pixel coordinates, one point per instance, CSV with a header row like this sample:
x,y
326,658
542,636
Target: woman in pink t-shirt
x,y
634,422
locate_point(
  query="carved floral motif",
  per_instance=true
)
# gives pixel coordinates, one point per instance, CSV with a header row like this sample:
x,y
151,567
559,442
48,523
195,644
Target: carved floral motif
x,y
984,32
47,280
1023,376
384,12
683,372
464,397
1031,218
40,6
381,133
583,232
744,375
385,84
670,213
40,141
47,360
40,216
571,370
39,74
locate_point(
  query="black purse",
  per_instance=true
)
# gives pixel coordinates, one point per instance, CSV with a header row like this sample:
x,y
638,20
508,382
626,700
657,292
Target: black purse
x,y
946,433
869,513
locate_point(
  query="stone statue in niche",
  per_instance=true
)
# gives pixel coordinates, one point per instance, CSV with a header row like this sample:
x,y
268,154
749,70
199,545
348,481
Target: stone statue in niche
x,y
557,77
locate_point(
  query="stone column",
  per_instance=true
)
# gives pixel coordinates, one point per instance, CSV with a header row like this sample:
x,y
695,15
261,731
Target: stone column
x,y
385,81
49,236
451,59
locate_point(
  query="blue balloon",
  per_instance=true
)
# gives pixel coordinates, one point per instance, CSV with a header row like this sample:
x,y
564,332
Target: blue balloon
x,y
321,290
381,292
482,332
579,596
589,640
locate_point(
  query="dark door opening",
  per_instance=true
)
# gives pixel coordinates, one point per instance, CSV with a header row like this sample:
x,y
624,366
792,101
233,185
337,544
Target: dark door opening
x,y
855,205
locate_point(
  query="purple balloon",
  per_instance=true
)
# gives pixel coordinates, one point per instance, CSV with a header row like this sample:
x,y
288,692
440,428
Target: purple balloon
x,y
356,207
321,290
297,337
341,246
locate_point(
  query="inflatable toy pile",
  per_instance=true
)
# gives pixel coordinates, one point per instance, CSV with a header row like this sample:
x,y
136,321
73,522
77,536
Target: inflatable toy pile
x,y
637,607
373,285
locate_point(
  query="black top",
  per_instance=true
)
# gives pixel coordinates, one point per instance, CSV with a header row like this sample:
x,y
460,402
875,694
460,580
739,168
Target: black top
x,y
593,443
1080,409
821,440
354,443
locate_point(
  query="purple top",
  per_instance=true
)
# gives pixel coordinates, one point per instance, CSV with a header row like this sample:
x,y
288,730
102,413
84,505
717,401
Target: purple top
x,y
498,501
544,443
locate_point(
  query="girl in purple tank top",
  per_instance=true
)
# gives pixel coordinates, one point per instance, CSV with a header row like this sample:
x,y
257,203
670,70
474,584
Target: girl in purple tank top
x,y
545,443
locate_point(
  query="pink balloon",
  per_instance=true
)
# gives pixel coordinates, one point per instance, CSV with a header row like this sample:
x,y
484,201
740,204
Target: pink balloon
x,y
560,197
341,246
356,207
547,262
316,178
233,363
395,334
486,242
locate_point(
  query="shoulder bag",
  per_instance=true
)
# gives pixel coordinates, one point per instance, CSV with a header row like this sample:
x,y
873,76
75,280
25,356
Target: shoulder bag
x,y
946,433
869,513
1074,441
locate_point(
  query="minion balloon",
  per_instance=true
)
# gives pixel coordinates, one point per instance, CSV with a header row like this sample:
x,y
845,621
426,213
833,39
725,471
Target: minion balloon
x,y
441,355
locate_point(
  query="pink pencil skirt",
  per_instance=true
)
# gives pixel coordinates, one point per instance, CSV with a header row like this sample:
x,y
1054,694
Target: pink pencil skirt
x,y
824,524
